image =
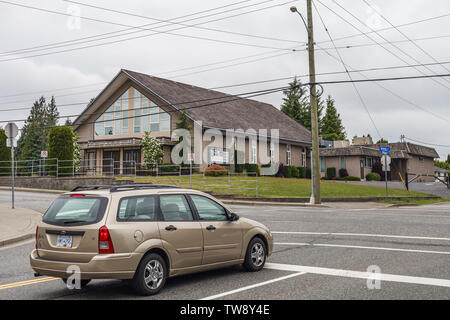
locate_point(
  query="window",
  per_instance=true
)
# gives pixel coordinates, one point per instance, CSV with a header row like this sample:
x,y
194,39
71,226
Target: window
x,y
342,162
421,159
145,116
208,209
137,208
78,210
253,158
165,121
288,154
272,152
154,117
174,207
322,164
304,157
368,162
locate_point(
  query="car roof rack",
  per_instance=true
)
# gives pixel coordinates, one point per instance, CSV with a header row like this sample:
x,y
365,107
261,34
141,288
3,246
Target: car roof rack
x,y
91,187
127,187
124,187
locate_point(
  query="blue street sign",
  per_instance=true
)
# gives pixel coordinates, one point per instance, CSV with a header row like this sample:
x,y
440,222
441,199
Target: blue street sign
x,y
385,150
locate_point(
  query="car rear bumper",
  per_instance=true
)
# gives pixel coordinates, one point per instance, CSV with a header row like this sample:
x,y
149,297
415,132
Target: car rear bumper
x,y
102,266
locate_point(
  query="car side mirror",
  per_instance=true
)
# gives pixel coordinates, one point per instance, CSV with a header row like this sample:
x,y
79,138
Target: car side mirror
x,y
233,216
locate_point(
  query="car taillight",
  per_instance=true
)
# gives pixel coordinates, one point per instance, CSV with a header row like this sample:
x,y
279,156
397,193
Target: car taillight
x,y
77,195
105,244
36,238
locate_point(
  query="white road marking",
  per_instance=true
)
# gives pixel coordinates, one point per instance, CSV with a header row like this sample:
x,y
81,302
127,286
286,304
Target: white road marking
x,y
252,286
361,275
358,247
360,235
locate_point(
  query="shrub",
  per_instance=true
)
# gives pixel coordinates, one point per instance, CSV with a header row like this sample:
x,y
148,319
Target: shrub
x,y
60,146
168,167
349,178
216,170
252,168
295,172
280,172
343,173
308,173
287,171
331,173
302,171
373,176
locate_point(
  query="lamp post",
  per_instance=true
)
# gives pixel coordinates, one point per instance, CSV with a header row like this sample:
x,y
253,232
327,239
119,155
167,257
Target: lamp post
x,y
315,198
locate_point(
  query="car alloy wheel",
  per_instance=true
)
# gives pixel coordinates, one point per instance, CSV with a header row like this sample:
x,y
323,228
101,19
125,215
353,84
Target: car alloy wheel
x,y
257,254
153,274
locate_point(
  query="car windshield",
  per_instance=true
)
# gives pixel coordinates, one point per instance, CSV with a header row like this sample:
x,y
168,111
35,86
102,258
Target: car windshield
x,y
75,210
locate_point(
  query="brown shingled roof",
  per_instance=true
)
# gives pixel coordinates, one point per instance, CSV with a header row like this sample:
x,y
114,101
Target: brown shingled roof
x,y
238,114
349,151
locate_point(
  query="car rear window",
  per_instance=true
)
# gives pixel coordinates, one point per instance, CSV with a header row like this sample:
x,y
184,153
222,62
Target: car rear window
x,y
80,210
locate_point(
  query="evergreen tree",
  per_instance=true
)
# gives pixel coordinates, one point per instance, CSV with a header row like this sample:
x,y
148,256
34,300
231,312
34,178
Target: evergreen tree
x,y
331,127
35,132
184,122
382,140
5,155
296,105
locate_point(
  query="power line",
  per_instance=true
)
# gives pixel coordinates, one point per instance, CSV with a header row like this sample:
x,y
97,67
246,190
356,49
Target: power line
x,y
348,74
404,35
147,35
428,143
375,41
185,25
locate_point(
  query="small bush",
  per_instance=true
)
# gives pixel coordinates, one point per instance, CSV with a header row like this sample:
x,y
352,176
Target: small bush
x,y
287,171
280,172
349,178
302,171
252,168
373,176
343,173
168,167
216,171
295,172
331,173
308,173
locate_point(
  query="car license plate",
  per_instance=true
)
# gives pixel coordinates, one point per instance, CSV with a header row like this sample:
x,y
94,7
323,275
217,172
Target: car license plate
x,y
64,241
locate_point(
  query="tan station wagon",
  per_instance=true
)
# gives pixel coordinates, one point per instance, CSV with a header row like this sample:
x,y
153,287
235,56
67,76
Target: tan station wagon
x,y
145,233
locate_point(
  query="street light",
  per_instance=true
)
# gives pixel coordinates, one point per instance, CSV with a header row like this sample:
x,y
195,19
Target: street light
x,y
315,197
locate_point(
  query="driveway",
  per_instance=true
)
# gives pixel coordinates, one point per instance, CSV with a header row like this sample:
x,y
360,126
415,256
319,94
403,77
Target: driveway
x,y
435,188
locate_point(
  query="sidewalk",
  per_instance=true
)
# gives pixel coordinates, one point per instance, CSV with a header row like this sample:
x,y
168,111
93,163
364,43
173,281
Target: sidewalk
x,y
17,224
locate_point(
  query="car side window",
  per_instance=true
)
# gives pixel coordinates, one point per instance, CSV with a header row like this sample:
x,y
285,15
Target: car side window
x,y
137,208
174,207
208,209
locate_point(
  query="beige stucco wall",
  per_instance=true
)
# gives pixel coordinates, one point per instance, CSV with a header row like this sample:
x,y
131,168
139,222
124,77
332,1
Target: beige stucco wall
x,y
415,166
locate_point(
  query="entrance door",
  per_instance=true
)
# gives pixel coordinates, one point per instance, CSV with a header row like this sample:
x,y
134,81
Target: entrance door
x,y
130,158
111,162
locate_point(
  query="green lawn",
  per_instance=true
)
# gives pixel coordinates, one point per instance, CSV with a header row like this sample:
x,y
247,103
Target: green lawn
x,y
275,187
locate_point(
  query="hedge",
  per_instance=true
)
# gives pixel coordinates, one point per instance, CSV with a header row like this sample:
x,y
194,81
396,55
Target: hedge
x,y
373,176
60,146
331,173
349,178
216,171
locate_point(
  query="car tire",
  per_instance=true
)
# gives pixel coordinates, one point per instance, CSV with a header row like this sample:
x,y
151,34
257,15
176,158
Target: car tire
x,y
83,282
256,254
150,275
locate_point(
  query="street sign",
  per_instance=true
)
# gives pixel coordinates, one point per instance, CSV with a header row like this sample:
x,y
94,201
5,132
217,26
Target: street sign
x,y
191,156
11,130
44,154
8,143
386,163
385,150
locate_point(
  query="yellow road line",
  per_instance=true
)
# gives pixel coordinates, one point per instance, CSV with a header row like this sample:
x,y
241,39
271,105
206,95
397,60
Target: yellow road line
x,y
26,283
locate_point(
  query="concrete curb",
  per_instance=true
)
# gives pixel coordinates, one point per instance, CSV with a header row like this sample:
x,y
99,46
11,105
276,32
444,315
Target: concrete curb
x,y
16,239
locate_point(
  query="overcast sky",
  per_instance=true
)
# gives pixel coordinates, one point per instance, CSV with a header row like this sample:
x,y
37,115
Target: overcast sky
x,y
27,74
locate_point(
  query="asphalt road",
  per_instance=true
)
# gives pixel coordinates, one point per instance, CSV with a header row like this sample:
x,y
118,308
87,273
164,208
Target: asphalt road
x,y
319,253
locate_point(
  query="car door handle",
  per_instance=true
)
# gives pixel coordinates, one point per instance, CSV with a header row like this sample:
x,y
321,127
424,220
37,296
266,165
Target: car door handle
x,y
171,228
211,227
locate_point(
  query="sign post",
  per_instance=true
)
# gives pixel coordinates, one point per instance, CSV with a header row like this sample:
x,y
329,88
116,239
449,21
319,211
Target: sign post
x,y
44,154
11,131
385,153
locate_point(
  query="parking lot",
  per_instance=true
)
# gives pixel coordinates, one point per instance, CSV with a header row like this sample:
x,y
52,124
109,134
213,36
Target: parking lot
x,y
319,253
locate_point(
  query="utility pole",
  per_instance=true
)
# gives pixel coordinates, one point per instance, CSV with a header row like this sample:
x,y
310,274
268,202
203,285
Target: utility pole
x,y
315,172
